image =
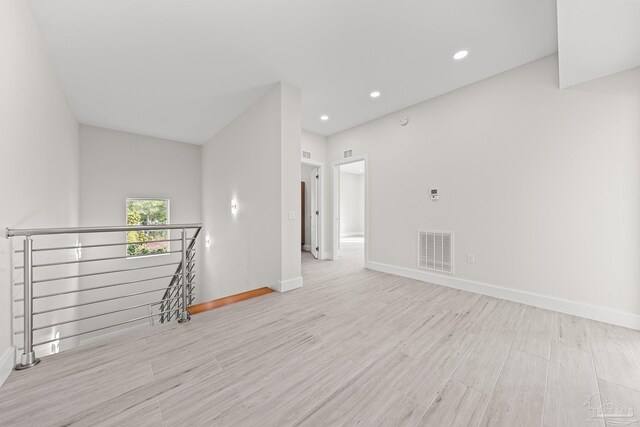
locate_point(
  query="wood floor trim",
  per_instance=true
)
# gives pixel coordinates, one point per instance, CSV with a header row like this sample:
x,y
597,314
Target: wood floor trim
x,y
221,302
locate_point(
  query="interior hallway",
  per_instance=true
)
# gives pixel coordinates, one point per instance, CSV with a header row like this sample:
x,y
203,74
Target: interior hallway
x,y
350,261
352,346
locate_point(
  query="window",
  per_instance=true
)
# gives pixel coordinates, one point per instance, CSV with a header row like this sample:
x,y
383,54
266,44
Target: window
x,y
147,212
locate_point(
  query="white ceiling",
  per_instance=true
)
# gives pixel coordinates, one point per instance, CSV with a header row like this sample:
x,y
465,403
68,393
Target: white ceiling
x,y
597,38
184,69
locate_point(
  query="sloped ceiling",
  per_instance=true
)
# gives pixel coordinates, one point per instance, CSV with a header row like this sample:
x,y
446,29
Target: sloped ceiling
x,y
597,38
183,69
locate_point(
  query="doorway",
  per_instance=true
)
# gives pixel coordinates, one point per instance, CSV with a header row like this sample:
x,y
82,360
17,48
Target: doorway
x,y
350,213
311,208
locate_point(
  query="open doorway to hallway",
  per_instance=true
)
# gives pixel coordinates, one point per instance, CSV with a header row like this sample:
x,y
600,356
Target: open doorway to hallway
x,y
351,218
311,209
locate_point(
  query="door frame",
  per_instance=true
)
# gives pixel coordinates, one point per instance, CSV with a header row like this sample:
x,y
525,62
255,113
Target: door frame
x,y
335,198
320,203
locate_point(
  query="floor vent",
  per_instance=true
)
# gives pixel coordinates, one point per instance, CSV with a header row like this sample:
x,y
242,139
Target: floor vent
x,y
348,153
306,154
435,251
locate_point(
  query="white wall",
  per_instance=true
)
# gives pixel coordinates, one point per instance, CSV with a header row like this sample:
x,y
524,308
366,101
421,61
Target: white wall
x,y
541,184
39,146
244,162
315,144
290,146
118,165
351,204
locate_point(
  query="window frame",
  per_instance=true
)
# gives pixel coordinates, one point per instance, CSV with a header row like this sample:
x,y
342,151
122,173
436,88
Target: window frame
x,y
126,219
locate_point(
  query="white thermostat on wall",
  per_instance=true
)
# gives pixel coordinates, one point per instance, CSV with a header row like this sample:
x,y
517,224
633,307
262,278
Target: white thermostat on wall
x,y
434,194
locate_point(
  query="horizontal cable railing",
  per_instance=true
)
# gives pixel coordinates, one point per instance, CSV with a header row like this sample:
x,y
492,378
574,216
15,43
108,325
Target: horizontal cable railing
x,y
87,307
189,261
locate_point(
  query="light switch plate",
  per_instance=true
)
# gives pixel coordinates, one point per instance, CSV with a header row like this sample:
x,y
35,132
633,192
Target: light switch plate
x,y
292,215
471,259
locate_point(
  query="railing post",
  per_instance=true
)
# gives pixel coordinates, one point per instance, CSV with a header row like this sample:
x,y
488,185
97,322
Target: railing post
x,y
190,274
184,316
29,358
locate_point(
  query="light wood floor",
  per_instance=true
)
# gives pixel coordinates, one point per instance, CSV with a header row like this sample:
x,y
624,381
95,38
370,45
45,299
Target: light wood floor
x,y
353,347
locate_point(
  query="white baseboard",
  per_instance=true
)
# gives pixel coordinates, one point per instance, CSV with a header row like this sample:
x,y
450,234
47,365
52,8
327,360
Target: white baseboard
x,y
306,248
288,285
7,362
601,314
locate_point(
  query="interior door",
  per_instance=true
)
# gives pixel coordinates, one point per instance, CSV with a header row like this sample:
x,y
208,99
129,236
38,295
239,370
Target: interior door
x,y
314,213
337,226
303,214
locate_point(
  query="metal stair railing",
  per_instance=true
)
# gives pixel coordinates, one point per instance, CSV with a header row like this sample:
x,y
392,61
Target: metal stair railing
x,y
174,287
141,288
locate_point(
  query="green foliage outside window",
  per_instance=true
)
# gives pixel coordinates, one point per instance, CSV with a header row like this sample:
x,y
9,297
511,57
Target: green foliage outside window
x,y
147,212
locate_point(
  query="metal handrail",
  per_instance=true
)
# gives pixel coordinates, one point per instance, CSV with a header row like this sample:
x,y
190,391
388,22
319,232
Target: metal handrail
x,y
104,245
177,296
175,279
74,291
93,316
82,333
173,289
13,232
99,273
81,261
65,307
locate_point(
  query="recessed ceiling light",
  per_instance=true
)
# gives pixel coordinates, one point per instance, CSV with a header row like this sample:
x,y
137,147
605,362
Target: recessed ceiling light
x,y
374,94
324,118
460,55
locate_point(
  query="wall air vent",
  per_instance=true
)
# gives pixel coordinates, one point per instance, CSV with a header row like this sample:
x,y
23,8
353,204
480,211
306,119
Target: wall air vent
x,y
348,153
435,251
306,154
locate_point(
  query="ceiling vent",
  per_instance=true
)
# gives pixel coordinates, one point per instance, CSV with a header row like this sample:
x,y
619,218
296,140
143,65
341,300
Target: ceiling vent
x,y
435,251
306,154
348,153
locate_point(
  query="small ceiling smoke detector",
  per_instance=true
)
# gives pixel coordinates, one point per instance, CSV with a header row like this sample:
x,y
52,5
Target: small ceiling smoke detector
x,y
460,55
324,118
374,94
